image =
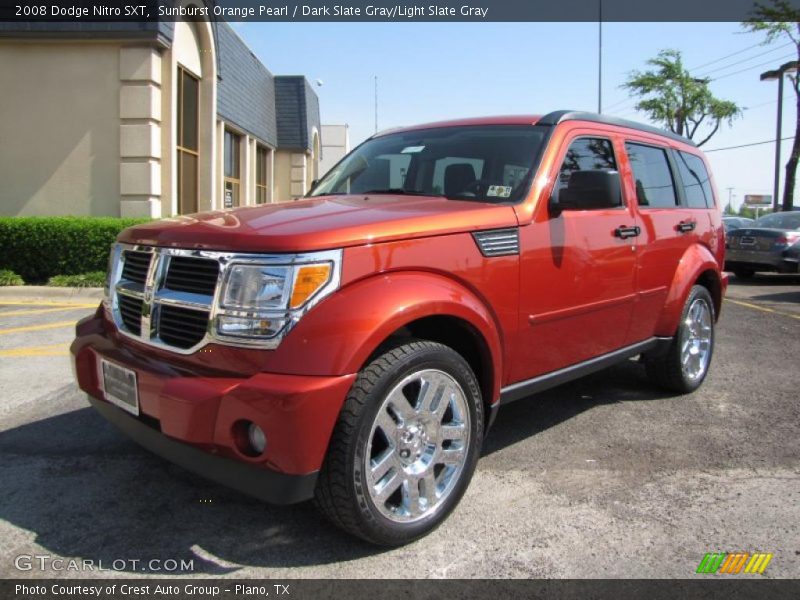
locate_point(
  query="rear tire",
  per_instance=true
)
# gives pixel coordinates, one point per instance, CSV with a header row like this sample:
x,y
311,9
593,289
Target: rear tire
x,y
684,366
744,273
405,446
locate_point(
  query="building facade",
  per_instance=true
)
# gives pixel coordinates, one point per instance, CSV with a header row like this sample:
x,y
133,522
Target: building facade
x,y
147,120
335,145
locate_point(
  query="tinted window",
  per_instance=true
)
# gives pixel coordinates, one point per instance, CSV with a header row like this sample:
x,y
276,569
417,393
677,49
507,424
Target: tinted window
x,y
651,172
696,184
586,154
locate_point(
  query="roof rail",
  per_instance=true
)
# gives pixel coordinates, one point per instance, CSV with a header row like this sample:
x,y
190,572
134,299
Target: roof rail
x,y
559,116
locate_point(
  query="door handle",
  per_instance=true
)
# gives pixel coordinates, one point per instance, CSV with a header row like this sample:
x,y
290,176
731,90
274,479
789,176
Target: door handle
x,y
686,226
626,232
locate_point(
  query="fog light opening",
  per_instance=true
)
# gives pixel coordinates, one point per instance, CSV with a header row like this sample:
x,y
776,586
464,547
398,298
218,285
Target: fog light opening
x,y
250,438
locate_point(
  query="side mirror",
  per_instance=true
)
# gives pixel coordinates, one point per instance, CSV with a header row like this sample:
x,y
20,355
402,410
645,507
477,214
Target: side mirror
x,y
588,190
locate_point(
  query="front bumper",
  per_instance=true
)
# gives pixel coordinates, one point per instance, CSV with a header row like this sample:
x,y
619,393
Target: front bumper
x,y
191,416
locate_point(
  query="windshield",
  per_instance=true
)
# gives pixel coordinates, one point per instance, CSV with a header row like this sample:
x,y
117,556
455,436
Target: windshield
x,y
488,163
781,220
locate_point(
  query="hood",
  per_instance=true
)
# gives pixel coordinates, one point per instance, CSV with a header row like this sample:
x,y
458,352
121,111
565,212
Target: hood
x,y
321,223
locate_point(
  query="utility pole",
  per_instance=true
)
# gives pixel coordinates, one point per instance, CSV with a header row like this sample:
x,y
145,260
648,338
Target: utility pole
x,y
600,57
376,104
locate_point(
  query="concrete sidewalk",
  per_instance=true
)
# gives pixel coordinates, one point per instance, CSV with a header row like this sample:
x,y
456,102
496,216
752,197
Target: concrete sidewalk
x,y
27,293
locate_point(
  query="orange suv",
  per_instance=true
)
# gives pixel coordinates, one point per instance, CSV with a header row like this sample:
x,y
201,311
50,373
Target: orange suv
x,y
354,347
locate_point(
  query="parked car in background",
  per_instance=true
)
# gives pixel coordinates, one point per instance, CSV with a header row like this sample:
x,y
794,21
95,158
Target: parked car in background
x,y
733,223
761,247
791,258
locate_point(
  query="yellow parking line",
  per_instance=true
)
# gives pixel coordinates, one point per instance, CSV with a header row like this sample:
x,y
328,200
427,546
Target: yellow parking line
x,y
762,308
51,350
37,327
12,302
39,311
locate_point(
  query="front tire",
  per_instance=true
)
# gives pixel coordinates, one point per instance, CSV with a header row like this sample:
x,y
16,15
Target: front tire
x,y
405,446
685,364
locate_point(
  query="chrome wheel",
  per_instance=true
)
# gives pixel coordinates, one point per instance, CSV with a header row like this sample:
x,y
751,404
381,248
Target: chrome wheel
x,y
696,339
418,446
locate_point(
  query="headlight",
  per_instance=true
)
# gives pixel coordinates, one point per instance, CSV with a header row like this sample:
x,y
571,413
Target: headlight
x,y
259,301
256,287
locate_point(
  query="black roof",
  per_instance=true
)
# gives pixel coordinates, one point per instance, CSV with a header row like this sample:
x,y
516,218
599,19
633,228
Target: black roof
x,y
559,116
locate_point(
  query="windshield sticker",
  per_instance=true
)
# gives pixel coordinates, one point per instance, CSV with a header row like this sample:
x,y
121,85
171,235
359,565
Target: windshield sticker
x,y
412,149
499,191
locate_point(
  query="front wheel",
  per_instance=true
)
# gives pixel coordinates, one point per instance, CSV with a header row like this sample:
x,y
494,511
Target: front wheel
x,y
685,364
405,446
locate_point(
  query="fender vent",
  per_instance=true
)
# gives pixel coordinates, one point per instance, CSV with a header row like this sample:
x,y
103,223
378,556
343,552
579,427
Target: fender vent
x,y
498,242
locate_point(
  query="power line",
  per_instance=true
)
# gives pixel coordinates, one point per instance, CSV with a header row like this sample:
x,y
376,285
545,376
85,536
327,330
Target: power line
x,y
724,57
744,60
791,137
769,62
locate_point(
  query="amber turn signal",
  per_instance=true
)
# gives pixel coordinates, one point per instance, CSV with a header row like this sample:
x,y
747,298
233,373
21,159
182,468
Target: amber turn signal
x,y
310,279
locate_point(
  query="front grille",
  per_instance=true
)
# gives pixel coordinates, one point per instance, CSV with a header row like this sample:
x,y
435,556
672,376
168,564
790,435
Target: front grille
x,y
130,311
135,266
181,327
174,308
193,275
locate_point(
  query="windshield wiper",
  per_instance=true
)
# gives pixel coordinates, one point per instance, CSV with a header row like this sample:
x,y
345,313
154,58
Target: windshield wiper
x,y
401,191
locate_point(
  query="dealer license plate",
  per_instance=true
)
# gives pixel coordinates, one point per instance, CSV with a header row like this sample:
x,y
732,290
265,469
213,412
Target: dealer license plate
x,y
119,386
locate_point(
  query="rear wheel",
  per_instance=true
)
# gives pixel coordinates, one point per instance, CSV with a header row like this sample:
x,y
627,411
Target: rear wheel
x,y
685,364
405,446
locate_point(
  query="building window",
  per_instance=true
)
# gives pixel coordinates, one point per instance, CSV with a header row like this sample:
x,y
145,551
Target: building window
x,y
262,154
187,150
232,177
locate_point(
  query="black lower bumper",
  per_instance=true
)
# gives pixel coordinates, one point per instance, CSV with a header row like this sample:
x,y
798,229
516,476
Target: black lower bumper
x,y
270,486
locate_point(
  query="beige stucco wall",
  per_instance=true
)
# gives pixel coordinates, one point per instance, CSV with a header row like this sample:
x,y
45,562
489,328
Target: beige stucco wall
x,y
283,176
59,129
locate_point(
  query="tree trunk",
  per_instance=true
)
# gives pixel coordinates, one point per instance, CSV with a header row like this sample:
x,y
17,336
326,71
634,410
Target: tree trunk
x,y
791,165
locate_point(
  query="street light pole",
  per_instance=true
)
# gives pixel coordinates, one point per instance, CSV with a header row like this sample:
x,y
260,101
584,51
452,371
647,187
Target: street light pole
x,y
778,74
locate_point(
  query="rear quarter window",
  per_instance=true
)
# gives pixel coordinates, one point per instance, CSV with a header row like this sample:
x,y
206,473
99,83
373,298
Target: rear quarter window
x,y
696,183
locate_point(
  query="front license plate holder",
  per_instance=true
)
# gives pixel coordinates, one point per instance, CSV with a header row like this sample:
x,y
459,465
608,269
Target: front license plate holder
x,y
120,386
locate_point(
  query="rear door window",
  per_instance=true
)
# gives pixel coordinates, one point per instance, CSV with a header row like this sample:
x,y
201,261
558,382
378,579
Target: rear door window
x,y
652,176
696,183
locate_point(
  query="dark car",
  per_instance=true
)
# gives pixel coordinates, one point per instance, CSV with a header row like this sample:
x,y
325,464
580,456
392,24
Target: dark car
x,y
733,223
761,247
791,258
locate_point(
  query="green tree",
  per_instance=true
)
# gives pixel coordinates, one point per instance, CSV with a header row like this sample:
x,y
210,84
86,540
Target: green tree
x,y
779,20
674,98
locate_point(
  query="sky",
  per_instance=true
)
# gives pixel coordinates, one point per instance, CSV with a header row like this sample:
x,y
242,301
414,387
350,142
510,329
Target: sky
x,y
434,71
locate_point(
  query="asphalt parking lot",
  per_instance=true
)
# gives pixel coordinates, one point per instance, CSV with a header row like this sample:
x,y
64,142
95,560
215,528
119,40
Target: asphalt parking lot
x,y
604,477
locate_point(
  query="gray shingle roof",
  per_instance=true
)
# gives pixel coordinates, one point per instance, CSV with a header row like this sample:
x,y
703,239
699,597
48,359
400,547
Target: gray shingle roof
x,y
298,112
246,89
